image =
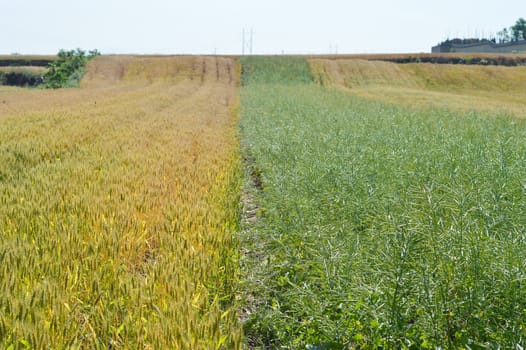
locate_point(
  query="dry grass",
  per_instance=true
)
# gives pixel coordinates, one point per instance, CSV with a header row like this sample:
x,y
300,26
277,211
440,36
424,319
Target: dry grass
x,y
30,69
118,202
487,88
438,57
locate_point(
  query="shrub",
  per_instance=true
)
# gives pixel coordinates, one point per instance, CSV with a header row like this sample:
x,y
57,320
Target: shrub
x,y
23,78
68,69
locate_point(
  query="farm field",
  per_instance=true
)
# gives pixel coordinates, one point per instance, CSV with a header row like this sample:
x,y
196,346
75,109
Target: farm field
x,y
382,225
26,60
118,202
31,69
439,58
495,89
381,205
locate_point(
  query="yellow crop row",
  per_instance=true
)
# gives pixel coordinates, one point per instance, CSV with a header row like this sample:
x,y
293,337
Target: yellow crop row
x,y
117,205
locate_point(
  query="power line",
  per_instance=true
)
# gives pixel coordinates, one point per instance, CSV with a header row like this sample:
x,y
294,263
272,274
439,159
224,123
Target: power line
x,y
251,39
247,42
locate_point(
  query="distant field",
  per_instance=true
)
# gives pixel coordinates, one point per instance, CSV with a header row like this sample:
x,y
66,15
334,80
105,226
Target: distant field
x,y
118,203
23,70
18,69
489,88
440,58
26,60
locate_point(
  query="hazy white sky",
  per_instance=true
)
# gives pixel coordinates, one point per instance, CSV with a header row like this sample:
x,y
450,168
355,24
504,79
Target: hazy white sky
x,y
280,26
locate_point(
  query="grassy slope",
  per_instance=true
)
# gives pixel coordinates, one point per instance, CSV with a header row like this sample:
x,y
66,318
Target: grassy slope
x,y
381,225
117,205
461,87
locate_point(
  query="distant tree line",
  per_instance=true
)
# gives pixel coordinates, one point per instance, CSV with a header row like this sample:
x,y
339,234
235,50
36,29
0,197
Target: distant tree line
x,y
15,61
24,78
516,32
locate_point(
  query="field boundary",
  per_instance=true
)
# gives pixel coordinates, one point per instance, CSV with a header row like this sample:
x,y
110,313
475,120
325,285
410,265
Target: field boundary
x,y
25,61
509,60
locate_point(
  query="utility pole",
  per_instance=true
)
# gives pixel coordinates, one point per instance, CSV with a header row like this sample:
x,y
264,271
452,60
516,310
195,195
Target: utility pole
x,y
251,39
248,41
243,43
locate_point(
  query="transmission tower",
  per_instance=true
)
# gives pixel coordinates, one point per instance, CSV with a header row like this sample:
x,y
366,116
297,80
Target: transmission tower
x,y
248,40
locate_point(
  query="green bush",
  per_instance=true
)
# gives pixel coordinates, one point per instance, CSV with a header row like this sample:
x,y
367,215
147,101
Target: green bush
x,y
68,69
23,78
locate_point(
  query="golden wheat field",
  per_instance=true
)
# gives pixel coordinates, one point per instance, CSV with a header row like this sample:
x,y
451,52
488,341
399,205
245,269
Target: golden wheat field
x,y
117,205
495,89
